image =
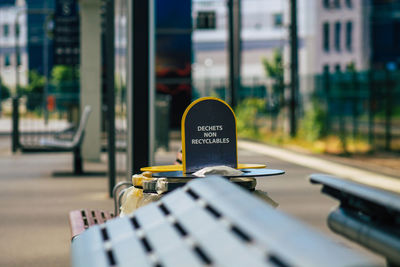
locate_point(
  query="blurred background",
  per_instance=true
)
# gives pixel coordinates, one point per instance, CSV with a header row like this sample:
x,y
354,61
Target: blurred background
x,y
320,75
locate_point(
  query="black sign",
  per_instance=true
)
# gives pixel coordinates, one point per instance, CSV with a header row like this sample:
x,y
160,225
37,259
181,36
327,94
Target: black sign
x,y
208,135
66,33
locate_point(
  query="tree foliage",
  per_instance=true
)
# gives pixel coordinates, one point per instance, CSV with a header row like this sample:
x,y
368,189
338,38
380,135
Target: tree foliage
x,y
4,91
65,79
36,83
274,70
274,67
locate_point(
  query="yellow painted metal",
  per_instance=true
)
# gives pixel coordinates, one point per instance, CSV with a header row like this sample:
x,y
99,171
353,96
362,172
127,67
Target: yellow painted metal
x,y
172,168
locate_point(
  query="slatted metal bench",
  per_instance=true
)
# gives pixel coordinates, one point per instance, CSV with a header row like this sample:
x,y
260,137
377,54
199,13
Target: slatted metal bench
x,y
208,222
58,145
366,215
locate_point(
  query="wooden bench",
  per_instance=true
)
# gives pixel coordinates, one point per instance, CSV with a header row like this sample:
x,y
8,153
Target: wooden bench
x,y
366,215
81,220
208,222
58,145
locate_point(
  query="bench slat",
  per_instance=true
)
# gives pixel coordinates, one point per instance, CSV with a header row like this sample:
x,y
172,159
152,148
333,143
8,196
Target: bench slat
x,y
92,245
204,223
127,251
88,215
76,223
80,220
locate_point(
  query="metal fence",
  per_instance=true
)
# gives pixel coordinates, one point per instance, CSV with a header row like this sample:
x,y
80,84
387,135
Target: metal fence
x,y
258,87
361,105
364,105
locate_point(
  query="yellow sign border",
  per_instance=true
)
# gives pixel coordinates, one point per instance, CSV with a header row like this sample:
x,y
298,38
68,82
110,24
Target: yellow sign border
x,y
170,168
183,127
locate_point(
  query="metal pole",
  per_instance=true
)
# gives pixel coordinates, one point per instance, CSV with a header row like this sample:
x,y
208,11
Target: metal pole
x,y
152,81
44,11
327,86
293,68
15,124
388,111
109,76
356,99
140,83
371,109
17,92
1,82
234,22
15,115
46,68
15,102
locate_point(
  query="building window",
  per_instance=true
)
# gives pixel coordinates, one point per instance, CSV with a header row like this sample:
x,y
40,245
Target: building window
x,y
325,69
349,35
206,20
17,30
19,59
6,30
338,29
336,3
325,37
7,61
278,20
349,3
326,3
337,68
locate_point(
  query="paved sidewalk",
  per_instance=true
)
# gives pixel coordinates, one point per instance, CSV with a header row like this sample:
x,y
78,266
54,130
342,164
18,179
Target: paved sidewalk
x,y
34,207
323,164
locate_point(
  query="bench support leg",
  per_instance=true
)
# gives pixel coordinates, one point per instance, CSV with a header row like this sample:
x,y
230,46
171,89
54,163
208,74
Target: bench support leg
x,y
78,161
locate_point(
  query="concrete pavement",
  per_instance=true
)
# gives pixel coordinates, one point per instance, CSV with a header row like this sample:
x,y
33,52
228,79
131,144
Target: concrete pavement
x,y
34,206
370,178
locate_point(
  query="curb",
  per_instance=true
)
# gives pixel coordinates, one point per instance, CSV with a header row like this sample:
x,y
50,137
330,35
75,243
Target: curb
x,y
358,175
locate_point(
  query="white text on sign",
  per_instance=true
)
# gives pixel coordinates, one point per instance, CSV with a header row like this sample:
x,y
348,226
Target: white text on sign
x,y
210,131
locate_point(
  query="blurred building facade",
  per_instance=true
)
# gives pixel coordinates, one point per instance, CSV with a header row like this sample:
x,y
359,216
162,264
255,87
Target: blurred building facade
x,y
23,29
333,35
357,35
263,31
342,35
9,33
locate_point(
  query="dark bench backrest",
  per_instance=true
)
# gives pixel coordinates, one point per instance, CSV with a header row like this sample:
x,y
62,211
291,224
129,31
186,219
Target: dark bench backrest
x,y
349,189
366,215
210,222
78,137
